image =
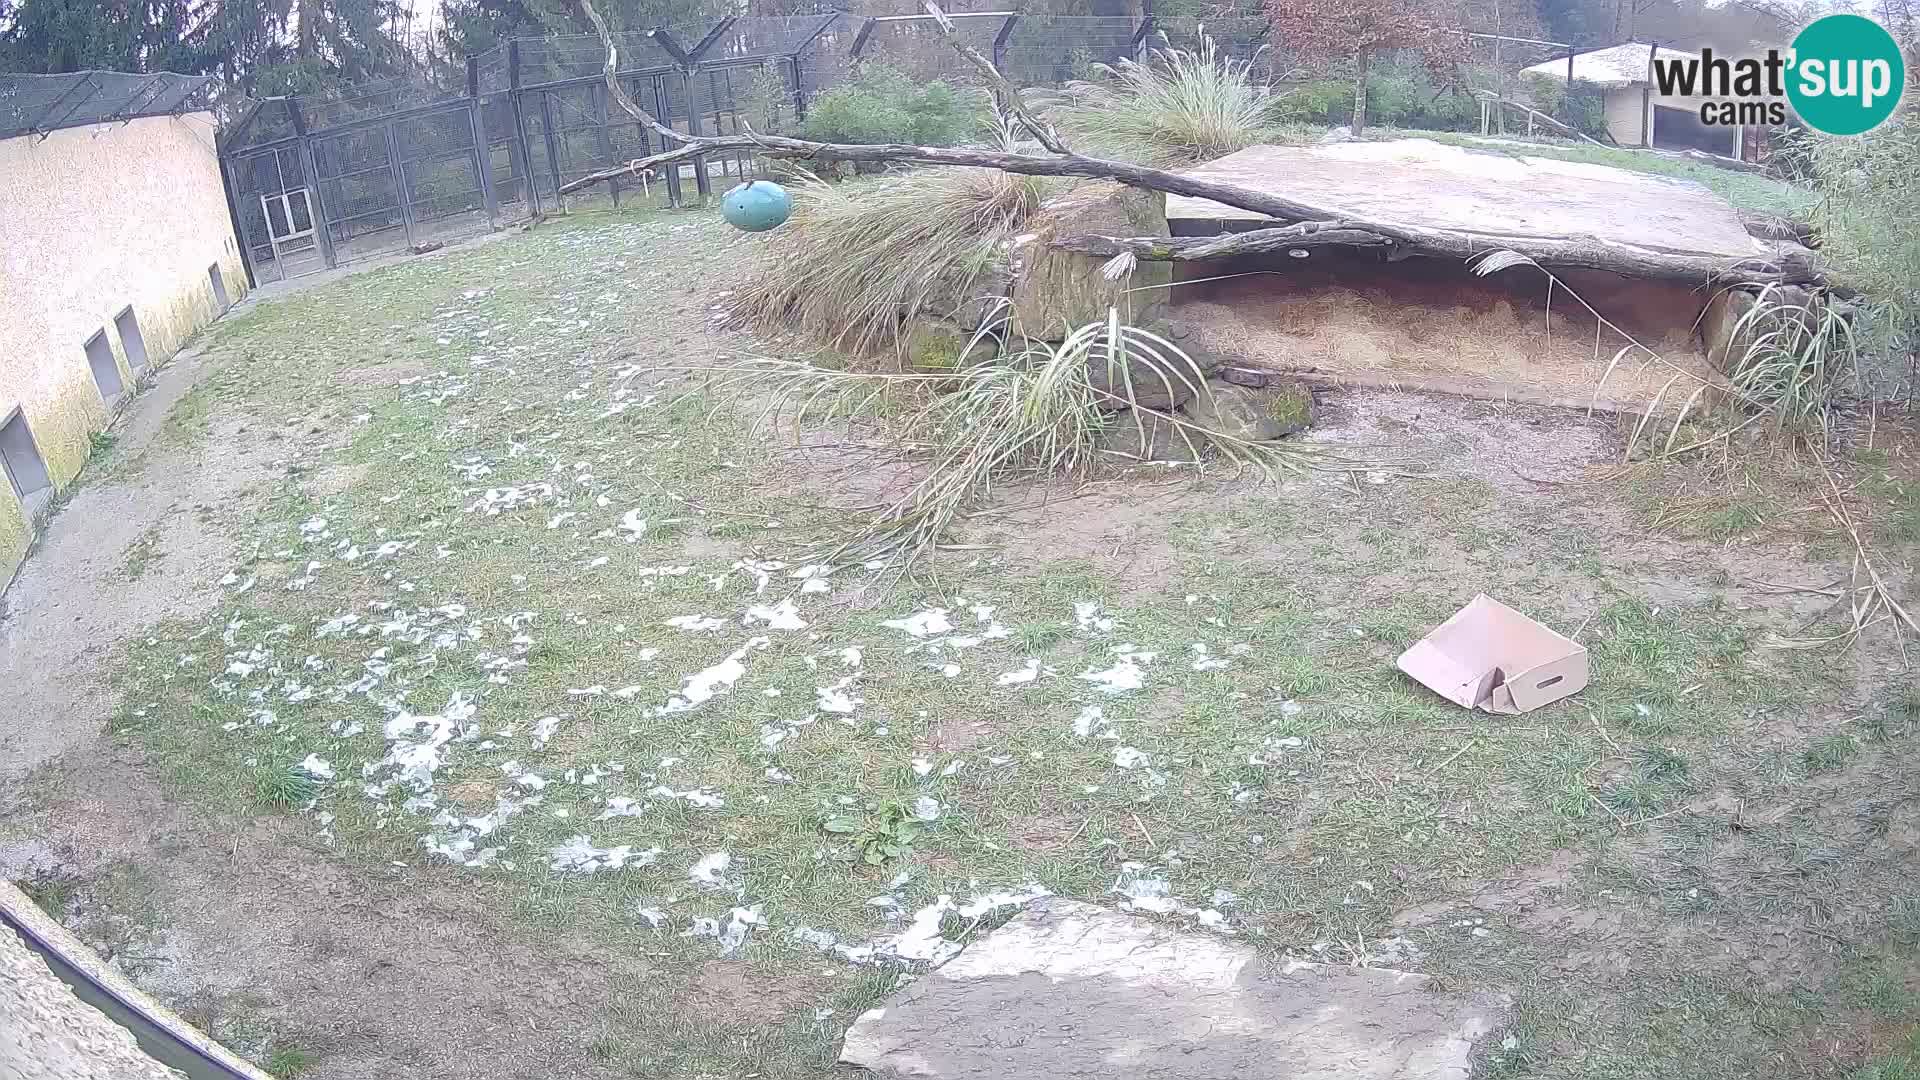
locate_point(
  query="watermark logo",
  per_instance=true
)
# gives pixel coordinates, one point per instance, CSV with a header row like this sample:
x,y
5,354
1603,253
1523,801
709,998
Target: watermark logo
x,y
1844,75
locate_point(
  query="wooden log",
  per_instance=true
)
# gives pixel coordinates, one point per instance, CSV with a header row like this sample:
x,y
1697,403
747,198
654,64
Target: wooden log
x,y
1553,253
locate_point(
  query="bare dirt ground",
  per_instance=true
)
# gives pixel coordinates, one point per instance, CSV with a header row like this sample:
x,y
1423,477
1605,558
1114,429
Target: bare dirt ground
x,y
1702,866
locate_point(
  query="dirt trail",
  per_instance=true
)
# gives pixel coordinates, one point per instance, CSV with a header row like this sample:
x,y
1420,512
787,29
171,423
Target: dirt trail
x,y
74,598
243,925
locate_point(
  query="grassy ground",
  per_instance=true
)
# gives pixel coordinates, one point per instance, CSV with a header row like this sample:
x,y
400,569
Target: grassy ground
x,y
1700,866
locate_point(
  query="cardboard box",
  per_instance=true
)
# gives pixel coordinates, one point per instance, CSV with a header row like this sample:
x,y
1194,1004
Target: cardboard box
x,y
1491,657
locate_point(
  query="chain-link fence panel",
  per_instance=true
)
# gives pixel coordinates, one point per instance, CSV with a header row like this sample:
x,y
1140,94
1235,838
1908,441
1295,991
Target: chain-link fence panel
x,y
1049,50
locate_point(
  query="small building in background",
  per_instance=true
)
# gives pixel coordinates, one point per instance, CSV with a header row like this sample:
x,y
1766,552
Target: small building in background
x,y
115,246
1636,113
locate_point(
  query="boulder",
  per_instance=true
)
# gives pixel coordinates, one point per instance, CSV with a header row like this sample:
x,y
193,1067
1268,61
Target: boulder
x,y
1726,345
1054,291
1067,989
1250,414
1145,435
1145,382
936,345
972,298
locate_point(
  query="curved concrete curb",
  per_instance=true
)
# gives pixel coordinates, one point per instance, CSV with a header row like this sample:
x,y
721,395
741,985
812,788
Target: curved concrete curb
x,y
162,1035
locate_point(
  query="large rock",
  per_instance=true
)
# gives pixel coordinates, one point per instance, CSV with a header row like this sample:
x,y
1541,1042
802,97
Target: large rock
x,y
1144,382
1072,990
972,298
1054,291
1143,435
1720,332
1250,414
935,346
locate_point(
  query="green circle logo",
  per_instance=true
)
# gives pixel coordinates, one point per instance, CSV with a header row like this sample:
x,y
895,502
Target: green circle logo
x,y
1847,75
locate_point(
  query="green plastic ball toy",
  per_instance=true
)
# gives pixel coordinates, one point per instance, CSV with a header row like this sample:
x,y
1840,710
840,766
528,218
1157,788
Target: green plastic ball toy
x,y
756,206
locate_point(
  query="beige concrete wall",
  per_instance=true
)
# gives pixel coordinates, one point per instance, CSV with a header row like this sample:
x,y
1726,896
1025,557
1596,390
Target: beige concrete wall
x,y
1627,112
93,219
1625,115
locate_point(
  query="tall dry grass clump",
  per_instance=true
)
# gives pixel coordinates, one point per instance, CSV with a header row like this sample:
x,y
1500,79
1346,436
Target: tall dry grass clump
x,y
1175,107
857,260
1042,411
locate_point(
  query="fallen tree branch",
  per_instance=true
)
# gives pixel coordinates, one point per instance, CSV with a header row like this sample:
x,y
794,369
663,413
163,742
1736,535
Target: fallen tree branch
x,y
1580,252
1327,227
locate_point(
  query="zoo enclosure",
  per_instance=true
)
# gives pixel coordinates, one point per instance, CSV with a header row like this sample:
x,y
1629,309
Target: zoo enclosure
x,y
318,182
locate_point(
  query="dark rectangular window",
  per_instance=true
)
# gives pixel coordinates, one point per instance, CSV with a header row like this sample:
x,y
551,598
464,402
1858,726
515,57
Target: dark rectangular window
x,y
219,287
106,370
131,342
20,460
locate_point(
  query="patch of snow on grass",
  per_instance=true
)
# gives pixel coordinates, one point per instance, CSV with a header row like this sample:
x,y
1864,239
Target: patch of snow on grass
x,y
1125,674
781,616
922,623
838,698
701,686
579,856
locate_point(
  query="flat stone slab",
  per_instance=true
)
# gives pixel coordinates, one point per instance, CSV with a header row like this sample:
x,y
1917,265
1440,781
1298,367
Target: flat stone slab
x,y
1424,183
1073,990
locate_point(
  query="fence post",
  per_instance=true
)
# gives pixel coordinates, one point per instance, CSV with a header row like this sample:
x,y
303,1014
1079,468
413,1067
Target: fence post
x,y
227,162
1000,41
598,91
553,149
1567,97
799,90
482,150
860,38
665,115
701,185
398,168
309,166
799,80
531,190
685,62
1139,42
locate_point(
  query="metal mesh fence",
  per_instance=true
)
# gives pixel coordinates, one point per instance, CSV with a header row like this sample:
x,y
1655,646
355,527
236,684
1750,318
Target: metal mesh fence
x,y
1047,50
38,104
916,45
321,180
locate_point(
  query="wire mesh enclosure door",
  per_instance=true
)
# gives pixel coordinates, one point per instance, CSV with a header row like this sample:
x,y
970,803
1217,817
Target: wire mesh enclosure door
x,y
275,207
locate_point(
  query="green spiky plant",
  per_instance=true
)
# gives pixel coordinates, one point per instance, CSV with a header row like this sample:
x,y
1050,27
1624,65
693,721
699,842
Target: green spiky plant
x,y
1176,106
1796,358
1798,355
1040,412
860,260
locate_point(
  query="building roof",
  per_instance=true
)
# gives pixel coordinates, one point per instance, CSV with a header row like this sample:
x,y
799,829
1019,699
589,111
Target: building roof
x,y
44,103
1619,65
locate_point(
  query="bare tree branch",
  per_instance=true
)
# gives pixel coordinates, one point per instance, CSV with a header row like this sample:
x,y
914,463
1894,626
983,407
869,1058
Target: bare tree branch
x,y
1043,132
620,95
